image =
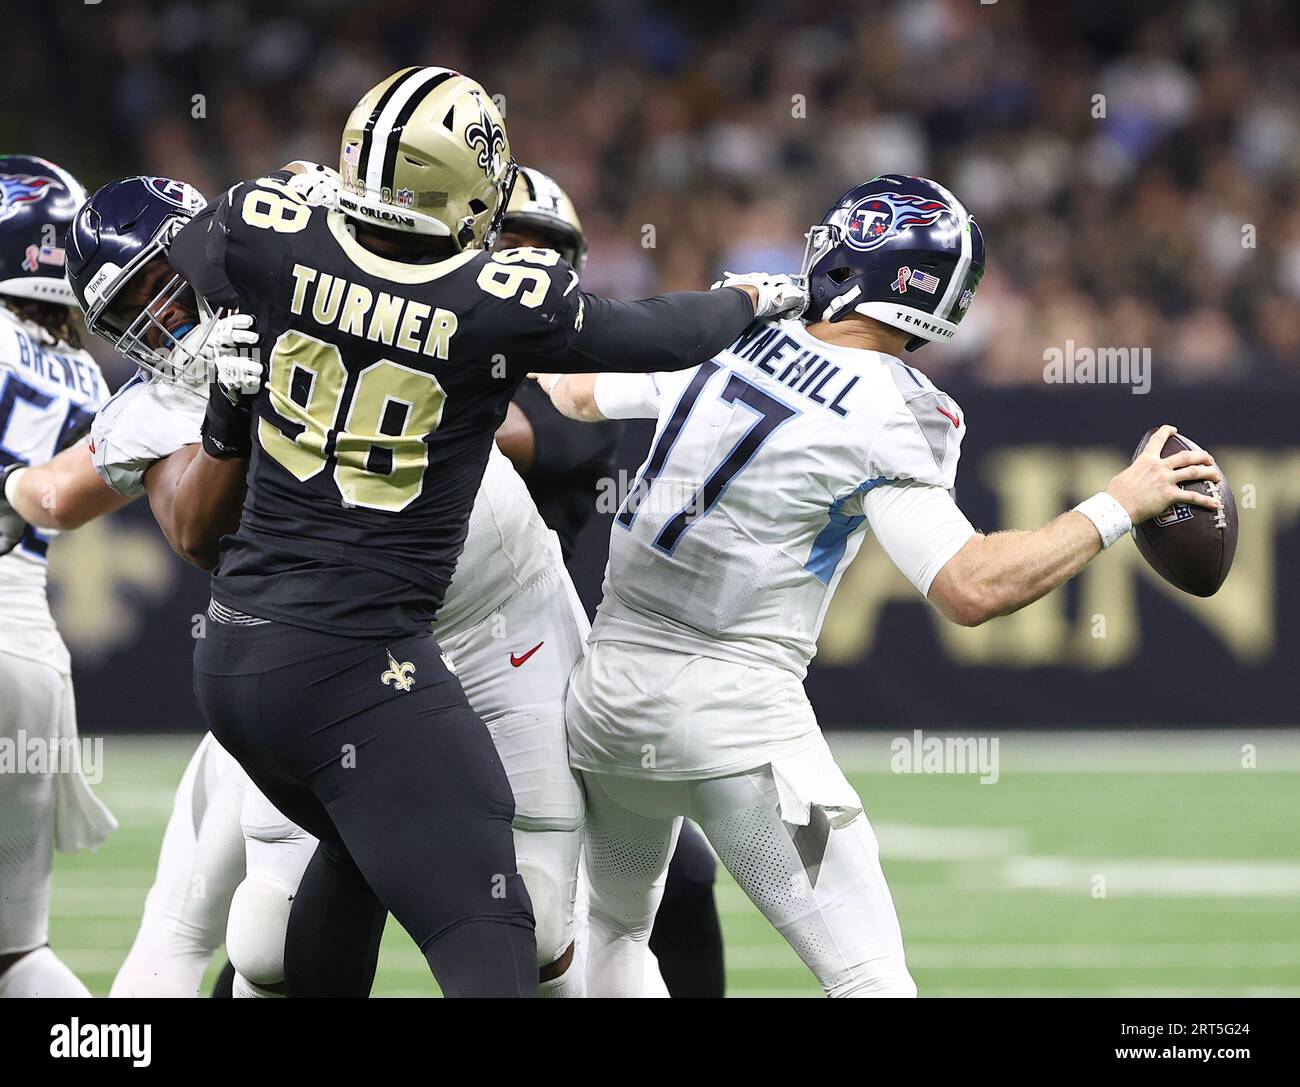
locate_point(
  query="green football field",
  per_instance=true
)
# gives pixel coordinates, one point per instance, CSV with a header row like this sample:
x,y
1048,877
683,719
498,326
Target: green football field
x,y
1159,863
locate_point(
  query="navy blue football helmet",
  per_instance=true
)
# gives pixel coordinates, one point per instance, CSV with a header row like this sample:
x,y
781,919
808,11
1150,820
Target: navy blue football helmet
x,y
37,203
902,250
121,237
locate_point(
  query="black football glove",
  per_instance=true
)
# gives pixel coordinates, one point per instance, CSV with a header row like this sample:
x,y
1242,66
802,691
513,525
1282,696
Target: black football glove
x,y
12,526
227,425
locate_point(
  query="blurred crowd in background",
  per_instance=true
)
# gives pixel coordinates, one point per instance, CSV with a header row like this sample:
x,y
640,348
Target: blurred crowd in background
x,y
695,137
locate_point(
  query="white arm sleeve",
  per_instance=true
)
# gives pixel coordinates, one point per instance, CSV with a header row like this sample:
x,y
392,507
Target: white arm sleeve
x,y
142,423
920,528
626,396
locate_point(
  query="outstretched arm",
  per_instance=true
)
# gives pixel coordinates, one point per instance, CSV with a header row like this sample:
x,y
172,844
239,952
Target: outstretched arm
x,y
998,574
61,493
669,332
972,578
593,398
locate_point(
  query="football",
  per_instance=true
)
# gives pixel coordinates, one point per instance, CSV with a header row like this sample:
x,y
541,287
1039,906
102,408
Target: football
x,y
1190,547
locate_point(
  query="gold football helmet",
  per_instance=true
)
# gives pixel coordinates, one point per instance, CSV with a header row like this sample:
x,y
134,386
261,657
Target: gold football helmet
x,y
540,210
426,152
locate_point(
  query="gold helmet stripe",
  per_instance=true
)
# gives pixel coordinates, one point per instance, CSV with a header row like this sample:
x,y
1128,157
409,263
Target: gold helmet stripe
x,y
368,131
382,133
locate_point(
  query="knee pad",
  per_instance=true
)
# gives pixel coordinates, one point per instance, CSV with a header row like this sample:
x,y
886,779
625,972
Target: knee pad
x,y
551,886
259,918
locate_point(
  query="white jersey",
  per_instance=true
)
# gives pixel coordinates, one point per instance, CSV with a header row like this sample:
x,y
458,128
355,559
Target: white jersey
x,y
146,420
508,545
47,390
755,494
508,542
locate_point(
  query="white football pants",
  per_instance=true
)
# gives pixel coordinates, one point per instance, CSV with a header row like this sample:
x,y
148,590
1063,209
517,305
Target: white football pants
x,y
821,888
36,709
199,867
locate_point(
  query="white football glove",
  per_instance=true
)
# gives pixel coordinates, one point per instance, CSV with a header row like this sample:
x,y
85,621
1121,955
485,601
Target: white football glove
x,y
779,296
239,375
317,184
224,344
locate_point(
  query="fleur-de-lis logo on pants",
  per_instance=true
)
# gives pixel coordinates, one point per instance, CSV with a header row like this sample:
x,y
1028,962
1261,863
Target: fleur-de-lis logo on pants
x,y
401,676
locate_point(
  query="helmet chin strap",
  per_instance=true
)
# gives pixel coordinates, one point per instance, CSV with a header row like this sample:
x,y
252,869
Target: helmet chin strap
x,y
839,305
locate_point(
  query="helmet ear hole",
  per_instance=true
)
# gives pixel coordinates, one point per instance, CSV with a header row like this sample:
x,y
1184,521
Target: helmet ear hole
x,y
839,275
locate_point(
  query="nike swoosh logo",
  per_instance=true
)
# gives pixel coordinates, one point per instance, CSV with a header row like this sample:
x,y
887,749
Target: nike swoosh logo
x,y
515,662
951,417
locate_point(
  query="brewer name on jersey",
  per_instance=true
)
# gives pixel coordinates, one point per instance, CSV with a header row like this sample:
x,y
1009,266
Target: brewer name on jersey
x,y
76,373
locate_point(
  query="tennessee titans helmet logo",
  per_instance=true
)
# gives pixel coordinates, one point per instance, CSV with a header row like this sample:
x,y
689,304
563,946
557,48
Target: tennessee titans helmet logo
x,y
875,218
901,250
19,189
175,192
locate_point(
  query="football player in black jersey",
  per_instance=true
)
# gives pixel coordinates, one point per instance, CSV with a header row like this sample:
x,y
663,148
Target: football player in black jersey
x,y
563,463
394,340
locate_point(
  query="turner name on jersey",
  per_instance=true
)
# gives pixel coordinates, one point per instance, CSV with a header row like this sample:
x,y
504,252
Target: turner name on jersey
x,y
751,502
379,372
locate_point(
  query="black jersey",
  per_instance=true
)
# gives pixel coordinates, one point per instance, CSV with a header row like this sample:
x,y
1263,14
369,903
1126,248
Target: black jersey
x,y
385,384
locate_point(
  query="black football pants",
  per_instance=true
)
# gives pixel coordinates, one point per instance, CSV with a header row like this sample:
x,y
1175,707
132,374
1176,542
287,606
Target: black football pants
x,y
372,747
687,933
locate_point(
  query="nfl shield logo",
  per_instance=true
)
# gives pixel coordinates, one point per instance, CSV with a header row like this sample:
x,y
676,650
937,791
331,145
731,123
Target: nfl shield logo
x,y
1173,516
406,198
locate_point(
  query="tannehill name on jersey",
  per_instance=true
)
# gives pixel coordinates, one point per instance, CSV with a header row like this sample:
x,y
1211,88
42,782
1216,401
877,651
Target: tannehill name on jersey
x,y
800,368
382,317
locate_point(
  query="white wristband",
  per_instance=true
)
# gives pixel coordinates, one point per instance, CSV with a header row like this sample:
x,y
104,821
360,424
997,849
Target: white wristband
x,y
1107,515
10,481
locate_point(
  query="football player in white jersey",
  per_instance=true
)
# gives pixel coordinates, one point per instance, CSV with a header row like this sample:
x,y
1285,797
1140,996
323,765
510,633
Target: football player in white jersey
x,y
202,856
769,462
562,463
49,389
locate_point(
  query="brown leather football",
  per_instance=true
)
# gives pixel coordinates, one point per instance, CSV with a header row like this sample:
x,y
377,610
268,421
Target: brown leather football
x,y
1190,547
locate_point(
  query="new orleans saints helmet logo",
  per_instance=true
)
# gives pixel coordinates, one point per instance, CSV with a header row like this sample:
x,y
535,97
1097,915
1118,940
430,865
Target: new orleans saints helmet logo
x,y
487,138
401,676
